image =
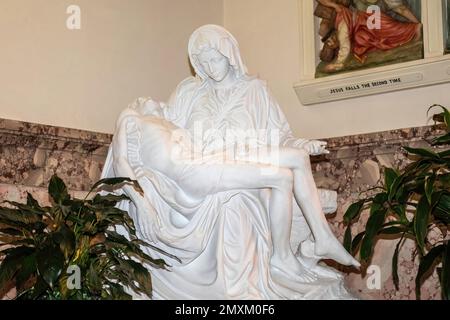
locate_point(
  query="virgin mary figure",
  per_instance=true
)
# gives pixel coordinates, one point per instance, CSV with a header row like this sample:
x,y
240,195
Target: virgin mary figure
x,y
224,241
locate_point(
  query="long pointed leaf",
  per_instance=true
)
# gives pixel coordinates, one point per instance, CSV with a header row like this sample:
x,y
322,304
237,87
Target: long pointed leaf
x,y
395,278
444,139
50,263
374,224
348,239
389,177
12,262
357,241
27,270
422,152
421,222
108,199
113,182
57,189
392,230
425,264
32,202
444,116
429,187
353,211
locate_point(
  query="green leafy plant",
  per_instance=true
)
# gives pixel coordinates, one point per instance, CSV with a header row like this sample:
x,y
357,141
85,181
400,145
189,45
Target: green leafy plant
x,y
410,203
40,245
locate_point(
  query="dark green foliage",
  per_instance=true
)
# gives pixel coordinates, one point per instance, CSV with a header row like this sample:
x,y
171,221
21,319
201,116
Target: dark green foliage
x,y
422,189
40,244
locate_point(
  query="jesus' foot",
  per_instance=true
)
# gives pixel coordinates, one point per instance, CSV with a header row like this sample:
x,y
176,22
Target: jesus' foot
x,y
291,268
331,248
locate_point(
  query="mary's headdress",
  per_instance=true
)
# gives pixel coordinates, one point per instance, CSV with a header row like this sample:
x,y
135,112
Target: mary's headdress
x,y
215,37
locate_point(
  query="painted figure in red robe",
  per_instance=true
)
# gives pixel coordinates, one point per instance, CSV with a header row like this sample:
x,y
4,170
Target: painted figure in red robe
x,y
360,32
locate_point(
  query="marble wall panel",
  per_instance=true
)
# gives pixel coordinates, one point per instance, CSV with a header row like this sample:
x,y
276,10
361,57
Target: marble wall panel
x,y
31,153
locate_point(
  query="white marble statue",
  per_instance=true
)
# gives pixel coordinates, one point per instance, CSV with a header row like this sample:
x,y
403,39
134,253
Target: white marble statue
x,y
213,198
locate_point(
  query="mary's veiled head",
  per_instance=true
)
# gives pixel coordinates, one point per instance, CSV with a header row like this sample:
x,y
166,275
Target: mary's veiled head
x,y
218,38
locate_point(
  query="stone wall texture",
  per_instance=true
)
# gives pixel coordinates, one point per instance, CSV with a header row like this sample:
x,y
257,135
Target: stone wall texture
x,y
31,153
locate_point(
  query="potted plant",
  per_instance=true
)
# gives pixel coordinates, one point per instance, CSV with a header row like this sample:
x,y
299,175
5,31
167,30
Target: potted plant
x,y
71,249
410,202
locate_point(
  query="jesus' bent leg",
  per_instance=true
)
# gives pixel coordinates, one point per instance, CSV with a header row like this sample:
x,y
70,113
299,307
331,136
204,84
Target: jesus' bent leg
x,y
306,194
241,176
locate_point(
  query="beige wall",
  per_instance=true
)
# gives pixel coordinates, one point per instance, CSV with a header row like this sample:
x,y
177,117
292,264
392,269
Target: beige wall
x,y
125,49
82,79
268,35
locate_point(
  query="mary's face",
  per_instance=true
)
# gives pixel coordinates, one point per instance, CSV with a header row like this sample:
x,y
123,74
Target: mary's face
x,y
214,64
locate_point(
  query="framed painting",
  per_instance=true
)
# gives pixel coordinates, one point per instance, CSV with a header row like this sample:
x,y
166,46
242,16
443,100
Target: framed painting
x,y
353,48
446,11
358,34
